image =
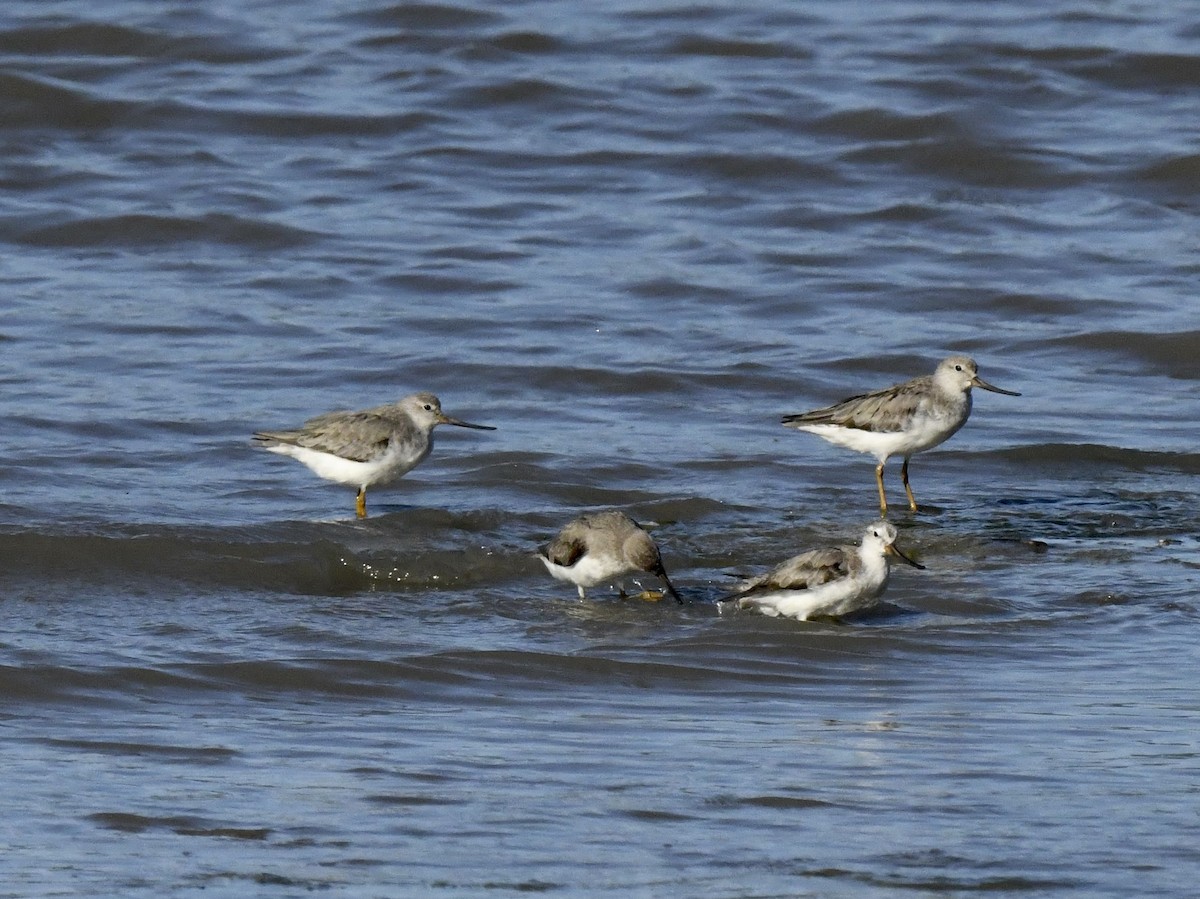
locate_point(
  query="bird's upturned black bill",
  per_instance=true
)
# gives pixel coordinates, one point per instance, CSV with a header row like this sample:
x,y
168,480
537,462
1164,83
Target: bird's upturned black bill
x,y
447,420
980,382
895,551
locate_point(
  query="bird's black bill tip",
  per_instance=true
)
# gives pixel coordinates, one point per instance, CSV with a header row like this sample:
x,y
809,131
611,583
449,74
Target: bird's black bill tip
x,y
466,424
661,574
979,382
902,557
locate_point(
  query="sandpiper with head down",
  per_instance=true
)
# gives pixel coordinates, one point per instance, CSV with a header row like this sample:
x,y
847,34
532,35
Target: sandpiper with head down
x,y
906,419
829,582
366,448
602,547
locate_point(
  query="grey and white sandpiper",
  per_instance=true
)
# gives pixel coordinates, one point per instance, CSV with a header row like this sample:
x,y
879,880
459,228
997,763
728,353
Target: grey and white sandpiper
x,y
602,547
366,448
906,419
829,582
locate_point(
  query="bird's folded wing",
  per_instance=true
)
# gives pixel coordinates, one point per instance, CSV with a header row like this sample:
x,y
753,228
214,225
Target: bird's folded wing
x,y
358,436
885,410
802,572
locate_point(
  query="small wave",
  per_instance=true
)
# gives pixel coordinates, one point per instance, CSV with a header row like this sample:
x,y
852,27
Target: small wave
x,y
768,801
58,683
1175,354
875,123
559,671
966,159
184,825
1156,72
105,40
1179,173
80,39
152,230
300,557
540,92
527,42
426,283
284,124
750,167
703,45
26,101
429,16
1100,455
190,755
40,102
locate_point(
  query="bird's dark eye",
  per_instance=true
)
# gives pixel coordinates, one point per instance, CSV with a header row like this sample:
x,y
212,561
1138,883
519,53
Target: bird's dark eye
x,y
958,368
428,407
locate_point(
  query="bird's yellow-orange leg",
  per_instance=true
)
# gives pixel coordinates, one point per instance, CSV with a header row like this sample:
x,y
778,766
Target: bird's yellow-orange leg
x,y
882,495
912,501
360,503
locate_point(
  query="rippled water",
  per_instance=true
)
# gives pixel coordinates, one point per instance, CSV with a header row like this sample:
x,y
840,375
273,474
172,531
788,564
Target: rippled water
x,y
630,236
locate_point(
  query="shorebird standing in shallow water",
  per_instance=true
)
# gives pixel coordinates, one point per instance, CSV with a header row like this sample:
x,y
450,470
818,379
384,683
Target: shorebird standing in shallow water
x,y
906,419
603,546
362,449
826,582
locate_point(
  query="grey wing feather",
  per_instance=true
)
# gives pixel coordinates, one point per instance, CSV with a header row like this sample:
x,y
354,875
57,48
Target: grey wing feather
x,y
802,572
892,408
360,436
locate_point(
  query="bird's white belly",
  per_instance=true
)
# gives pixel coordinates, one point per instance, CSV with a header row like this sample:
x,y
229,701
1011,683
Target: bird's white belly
x,y
837,598
927,431
588,571
875,443
924,432
345,471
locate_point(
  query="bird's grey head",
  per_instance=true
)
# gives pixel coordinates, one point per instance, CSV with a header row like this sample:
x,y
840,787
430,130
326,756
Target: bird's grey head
x,y
425,411
958,374
881,532
881,537
639,548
